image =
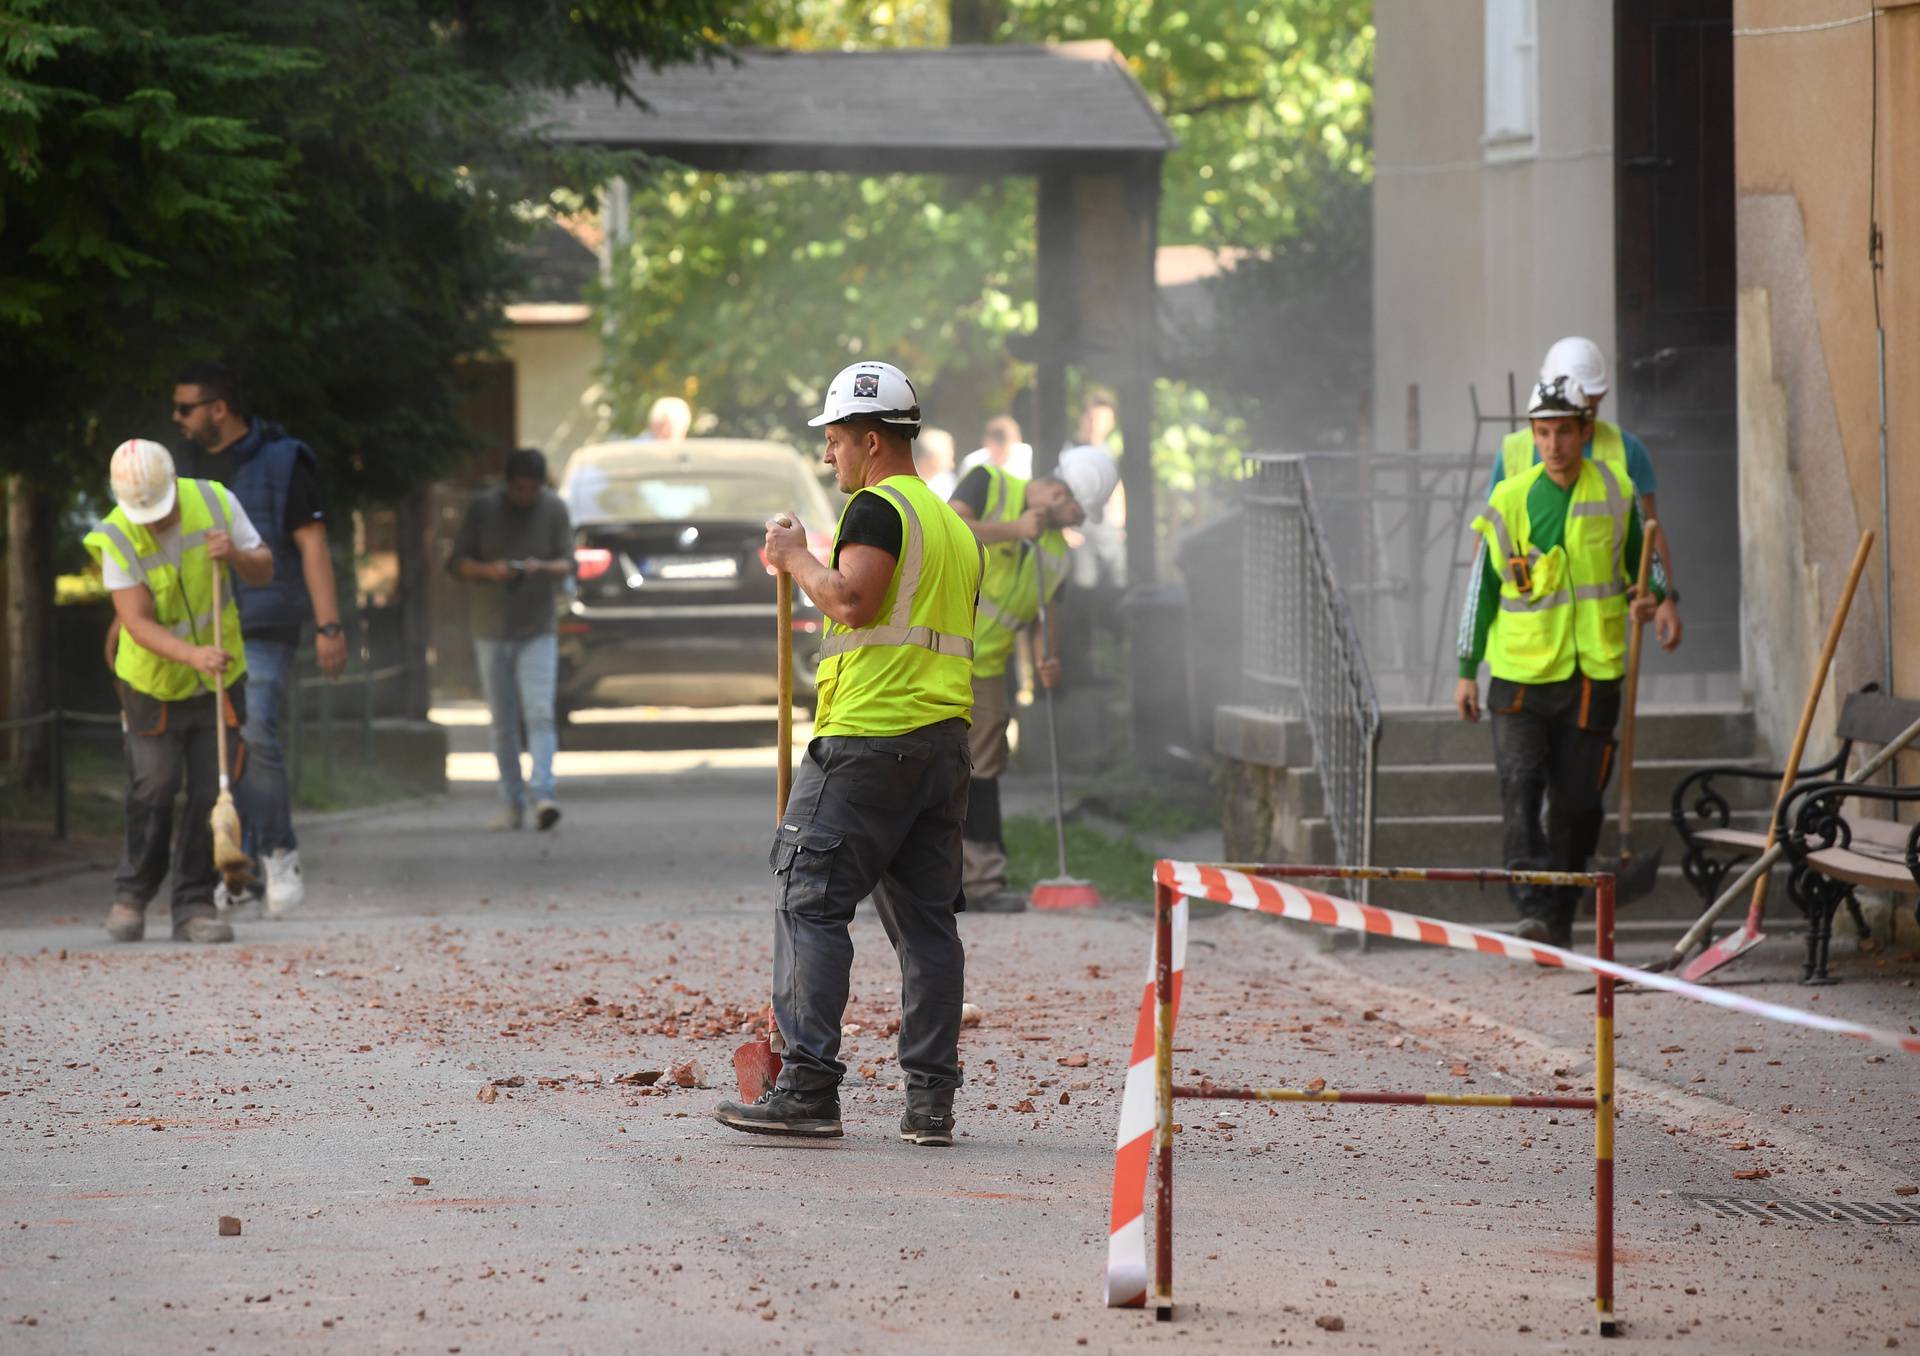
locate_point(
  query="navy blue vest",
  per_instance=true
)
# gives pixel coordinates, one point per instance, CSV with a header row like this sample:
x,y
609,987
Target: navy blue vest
x,y
261,477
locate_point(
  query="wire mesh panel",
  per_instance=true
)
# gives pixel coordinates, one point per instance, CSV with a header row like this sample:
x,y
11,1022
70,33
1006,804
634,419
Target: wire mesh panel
x,y
1303,653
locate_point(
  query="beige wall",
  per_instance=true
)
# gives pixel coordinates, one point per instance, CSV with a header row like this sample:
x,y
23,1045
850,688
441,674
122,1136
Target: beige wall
x,y
556,386
1809,413
1479,266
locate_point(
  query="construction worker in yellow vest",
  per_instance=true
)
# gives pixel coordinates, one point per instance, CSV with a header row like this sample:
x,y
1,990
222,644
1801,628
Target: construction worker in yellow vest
x,y
1582,361
180,667
1021,523
878,801
1547,610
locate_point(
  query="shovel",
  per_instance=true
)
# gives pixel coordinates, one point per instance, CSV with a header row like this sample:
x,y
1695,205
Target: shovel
x,y
756,1064
228,856
1634,877
1062,891
1738,943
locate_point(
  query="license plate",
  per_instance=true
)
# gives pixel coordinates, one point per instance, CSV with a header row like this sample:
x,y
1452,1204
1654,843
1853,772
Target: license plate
x,y
689,569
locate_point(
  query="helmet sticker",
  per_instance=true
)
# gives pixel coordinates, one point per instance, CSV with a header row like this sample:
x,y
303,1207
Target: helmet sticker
x,y
866,385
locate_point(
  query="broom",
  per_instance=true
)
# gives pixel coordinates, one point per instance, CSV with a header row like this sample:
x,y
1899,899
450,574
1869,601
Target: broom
x,y
756,1063
228,856
1062,891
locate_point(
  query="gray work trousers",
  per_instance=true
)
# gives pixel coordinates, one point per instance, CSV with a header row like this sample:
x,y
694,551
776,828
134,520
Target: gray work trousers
x,y
873,816
168,744
1552,742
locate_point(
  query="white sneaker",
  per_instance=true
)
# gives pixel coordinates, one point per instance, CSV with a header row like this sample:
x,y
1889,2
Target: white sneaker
x,y
246,904
285,889
510,818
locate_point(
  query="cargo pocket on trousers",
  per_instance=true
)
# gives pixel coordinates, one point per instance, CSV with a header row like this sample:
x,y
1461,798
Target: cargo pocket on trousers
x,y
802,859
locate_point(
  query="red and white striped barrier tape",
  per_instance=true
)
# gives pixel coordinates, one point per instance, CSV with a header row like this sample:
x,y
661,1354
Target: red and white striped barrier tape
x,y
1127,1241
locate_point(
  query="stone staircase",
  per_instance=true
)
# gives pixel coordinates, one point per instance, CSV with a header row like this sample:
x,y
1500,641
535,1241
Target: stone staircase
x,y
1437,801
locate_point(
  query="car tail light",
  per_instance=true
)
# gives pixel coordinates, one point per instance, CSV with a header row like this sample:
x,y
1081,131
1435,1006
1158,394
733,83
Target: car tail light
x,y
590,562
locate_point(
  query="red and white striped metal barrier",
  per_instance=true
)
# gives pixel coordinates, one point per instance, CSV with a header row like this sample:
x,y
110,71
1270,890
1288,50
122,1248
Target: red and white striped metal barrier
x,y
1146,1106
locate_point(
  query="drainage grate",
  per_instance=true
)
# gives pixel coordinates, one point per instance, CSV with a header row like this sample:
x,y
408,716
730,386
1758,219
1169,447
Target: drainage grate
x,y
1816,1212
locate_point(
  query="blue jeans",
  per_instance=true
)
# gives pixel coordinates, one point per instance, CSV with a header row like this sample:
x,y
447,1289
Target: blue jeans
x,y
518,677
264,797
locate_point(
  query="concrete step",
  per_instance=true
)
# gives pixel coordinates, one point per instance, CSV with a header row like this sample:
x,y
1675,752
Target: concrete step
x,y
1475,840
1437,788
1709,734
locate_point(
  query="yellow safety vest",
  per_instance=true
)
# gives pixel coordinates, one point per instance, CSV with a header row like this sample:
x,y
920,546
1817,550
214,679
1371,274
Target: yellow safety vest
x,y
1564,609
182,592
1009,595
1516,451
913,666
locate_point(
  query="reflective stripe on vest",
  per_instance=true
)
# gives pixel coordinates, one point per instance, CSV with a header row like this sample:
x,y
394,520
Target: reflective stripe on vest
x,y
1578,621
896,631
180,603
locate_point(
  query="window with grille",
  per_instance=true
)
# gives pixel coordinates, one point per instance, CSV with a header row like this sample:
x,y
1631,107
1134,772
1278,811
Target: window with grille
x,y
1512,79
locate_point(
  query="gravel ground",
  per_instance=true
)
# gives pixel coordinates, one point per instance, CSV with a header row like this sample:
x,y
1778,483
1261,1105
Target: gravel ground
x,y
345,1085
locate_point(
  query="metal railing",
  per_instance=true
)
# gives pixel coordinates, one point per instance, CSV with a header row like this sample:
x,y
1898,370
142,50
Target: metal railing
x,y
327,714
56,722
1303,653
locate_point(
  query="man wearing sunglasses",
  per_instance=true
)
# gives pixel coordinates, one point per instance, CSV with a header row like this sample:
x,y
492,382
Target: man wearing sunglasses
x,y
276,479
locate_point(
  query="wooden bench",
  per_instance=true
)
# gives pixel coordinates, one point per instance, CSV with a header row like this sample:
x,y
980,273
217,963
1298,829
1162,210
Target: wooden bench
x,y
1830,853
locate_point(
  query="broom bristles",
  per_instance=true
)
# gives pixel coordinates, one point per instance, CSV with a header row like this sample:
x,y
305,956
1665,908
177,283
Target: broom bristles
x,y
228,855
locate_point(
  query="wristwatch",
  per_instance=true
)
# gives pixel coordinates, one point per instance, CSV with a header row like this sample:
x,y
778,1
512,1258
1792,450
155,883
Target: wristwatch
x,y
1673,596
331,629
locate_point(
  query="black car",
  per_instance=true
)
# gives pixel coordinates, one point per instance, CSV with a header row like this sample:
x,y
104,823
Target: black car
x,y
675,604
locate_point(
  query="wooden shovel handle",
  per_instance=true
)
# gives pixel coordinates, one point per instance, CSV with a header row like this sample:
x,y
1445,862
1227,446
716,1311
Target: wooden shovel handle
x,y
1791,774
783,775
1631,701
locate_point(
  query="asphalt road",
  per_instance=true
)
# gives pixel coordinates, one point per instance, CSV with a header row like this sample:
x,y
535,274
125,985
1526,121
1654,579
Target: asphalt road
x,y
305,1078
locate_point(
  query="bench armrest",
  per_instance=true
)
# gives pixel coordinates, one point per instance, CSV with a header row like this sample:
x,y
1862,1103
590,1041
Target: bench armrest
x,y
1698,804
1813,817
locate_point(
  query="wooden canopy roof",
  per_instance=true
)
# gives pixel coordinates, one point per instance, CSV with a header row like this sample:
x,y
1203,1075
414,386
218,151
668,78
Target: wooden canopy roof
x,y
980,109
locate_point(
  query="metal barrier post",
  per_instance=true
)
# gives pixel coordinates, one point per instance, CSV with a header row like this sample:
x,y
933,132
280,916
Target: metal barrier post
x,y
57,736
1163,1102
1603,1110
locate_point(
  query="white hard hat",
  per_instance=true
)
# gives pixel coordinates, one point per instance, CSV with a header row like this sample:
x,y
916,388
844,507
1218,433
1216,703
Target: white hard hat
x,y
143,480
874,390
1580,359
1089,473
1560,398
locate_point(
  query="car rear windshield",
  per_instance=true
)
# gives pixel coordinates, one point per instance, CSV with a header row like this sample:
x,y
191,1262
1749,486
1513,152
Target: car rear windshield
x,y
674,497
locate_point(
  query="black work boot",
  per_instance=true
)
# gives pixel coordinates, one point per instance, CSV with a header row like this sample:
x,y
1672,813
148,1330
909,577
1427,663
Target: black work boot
x,y
929,1118
1533,928
785,1111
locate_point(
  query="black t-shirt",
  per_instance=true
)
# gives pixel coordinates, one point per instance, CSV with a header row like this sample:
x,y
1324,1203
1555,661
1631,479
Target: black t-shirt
x,y
972,491
870,520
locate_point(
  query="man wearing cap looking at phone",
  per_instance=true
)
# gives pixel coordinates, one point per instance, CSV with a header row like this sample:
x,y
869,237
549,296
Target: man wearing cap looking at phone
x,y
158,551
878,801
515,548
1022,525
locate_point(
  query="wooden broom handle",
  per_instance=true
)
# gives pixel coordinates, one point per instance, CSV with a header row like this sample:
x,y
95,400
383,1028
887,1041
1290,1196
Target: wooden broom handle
x,y
1632,694
1791,773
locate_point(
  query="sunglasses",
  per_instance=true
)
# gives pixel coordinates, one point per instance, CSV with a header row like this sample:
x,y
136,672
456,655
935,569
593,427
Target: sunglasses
x,y
186,407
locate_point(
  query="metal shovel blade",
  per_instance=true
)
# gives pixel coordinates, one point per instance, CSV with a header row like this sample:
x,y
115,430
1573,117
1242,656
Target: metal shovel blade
x,y
1730,947
1636,875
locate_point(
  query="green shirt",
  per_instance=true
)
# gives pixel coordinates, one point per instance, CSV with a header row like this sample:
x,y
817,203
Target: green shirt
x,y
493,529
1547,505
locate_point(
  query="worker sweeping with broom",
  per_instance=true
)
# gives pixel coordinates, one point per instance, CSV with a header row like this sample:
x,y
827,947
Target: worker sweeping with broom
x,y
164,552
877,802
1021,523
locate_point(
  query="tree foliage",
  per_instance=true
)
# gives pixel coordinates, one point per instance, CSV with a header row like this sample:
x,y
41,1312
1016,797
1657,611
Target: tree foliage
x,y
744,292
328,193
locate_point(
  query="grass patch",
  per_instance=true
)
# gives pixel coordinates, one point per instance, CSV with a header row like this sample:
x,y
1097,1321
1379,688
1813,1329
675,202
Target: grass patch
x,y
1118,867
96,788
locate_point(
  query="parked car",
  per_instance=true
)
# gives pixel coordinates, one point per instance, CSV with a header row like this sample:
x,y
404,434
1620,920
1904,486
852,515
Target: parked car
x,y
675,603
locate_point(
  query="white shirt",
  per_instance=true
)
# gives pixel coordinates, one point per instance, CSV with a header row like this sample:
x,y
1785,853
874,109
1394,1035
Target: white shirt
x,y
246,537
1019,460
